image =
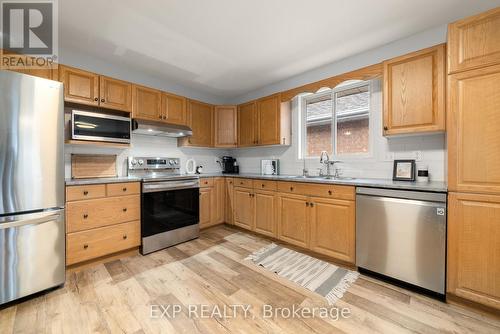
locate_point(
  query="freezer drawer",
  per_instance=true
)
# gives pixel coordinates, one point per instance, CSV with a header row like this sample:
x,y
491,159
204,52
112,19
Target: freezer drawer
x,y
32,253
402,238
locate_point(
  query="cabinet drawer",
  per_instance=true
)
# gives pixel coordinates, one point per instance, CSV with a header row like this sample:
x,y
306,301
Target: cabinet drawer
x,y
245,183
121,189
265,185
84,215
86,245
319,190
206,182
75,193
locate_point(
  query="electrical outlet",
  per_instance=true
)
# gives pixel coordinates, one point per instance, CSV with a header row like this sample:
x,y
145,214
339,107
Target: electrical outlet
x,y
389,156
417,155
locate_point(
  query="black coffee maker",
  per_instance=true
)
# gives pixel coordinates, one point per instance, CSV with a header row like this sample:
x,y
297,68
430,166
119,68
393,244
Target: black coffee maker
x,y
229,165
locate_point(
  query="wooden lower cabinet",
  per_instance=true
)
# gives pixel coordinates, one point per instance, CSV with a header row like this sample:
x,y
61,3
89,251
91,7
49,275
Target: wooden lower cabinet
x,y
294,219
333,226
101,219
243,208
87,245
474,248
265,204
229,201
205,207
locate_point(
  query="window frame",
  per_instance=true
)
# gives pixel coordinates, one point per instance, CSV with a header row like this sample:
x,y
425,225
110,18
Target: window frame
x,y
302,133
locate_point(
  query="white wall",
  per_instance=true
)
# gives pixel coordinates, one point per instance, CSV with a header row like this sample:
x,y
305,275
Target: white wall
x,y
149,146
415,42
432,147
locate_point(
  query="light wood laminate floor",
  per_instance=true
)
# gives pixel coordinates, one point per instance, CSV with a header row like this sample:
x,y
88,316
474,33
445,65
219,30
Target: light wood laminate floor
x,y
116,297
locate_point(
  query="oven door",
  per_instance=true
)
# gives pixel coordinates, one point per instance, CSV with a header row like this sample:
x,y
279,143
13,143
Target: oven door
x,y
99,127
169,216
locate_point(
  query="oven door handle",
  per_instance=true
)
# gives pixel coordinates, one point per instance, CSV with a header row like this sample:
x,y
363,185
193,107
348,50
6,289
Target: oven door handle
x,y
169,185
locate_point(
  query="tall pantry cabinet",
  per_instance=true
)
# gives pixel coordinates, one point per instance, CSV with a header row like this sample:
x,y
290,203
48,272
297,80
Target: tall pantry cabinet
x,y
473,123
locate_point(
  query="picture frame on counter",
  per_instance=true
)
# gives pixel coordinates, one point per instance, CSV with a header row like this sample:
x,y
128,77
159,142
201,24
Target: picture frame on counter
x,y
404,170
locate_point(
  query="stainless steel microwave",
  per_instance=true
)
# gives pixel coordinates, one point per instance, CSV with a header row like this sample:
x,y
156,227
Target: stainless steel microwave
x,y
99,127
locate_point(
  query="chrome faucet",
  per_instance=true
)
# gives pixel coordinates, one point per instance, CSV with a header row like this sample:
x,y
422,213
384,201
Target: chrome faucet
x,y
305,172
325,159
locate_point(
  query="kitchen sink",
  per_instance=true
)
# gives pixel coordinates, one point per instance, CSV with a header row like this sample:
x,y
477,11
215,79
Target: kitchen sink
x,y
317,177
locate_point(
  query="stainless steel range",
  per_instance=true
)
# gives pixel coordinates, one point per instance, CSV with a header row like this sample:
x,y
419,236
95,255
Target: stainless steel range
x,y
169,202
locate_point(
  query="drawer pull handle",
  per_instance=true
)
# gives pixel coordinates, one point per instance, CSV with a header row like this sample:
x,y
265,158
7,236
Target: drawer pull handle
x,y
124,237
85,216
329,192
124,209
124,189
85,246
85,193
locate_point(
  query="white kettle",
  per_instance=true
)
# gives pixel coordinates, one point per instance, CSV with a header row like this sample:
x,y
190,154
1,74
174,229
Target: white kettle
x,y
190,166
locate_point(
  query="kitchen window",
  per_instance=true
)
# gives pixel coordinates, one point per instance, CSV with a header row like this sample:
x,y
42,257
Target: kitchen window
x,y
337,121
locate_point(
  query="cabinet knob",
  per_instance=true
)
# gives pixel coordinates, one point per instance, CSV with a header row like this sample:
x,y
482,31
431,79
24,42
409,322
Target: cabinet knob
x,y
386,128
329,192
311,204
124,236
85,193
291,188
124,189
85,246
160,117
102,100
124,209
96,99
85,216
307,203
263,185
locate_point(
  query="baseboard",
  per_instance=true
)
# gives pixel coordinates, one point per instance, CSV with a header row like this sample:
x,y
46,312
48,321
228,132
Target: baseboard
x,y
103,259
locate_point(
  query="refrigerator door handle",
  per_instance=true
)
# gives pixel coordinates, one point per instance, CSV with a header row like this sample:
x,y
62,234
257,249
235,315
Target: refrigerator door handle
x,y
30,219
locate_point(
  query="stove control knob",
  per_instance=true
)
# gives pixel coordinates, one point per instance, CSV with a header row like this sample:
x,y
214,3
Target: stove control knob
x,y
171,162
133,162
141,162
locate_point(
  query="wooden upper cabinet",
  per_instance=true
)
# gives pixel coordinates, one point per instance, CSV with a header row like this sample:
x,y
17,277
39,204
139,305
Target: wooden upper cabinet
x,y
200,120
247,124
474,42
414,92
269,120
474,130
474,248
146,103
79,86
115,94
174,109
333,228
226,126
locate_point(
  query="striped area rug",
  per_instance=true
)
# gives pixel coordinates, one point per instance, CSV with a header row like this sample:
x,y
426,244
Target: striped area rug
x,y
315,275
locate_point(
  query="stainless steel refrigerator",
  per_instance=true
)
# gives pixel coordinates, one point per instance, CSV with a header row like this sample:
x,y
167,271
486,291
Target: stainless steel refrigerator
x,y
32,237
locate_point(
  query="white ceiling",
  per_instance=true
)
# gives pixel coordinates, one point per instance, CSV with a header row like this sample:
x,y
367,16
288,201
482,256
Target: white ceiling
x,y
230,47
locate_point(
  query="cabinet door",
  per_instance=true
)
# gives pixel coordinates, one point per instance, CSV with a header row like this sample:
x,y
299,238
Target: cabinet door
x,y
293,219
243,208
205,207
200,119
473,131
174,109
229,201
115,94
218,198
79,86
265,212
414,92
247,124
333,228
474,42
268,115
146,103
225,126
474,248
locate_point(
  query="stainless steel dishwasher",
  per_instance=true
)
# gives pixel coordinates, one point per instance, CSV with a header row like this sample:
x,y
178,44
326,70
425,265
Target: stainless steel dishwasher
x,y
402,235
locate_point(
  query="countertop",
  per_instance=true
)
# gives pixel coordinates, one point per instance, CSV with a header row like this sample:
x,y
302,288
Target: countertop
x,y
358,182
